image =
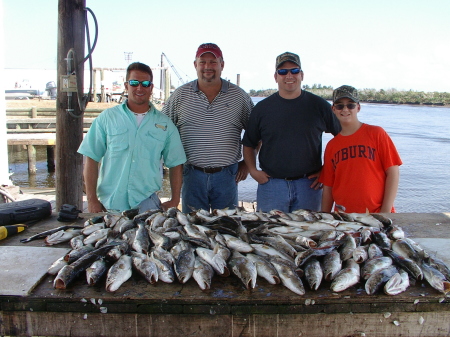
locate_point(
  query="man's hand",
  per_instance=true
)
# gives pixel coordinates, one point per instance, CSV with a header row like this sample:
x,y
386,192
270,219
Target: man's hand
x,y
95,206
316,185
242,172
260,176
169,204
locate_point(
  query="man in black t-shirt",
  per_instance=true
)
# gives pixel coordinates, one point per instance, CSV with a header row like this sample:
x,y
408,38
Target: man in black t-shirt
x,y
289,126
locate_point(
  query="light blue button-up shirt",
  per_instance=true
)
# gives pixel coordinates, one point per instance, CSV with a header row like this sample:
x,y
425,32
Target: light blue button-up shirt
x,y
130,155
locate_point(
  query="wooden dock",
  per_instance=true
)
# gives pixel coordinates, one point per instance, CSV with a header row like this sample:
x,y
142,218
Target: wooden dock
x,y
138,308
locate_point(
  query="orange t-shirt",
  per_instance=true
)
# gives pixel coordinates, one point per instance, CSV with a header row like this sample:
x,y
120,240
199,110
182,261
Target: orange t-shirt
x,y
355,167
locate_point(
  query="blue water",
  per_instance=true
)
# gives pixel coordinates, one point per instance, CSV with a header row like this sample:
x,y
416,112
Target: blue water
x,y
420,133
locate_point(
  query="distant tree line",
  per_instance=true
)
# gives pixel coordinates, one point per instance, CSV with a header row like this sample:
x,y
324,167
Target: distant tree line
x,y
389,96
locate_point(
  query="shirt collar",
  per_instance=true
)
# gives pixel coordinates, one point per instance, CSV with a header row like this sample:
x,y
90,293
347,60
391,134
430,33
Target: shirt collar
x,y
224,88
151,107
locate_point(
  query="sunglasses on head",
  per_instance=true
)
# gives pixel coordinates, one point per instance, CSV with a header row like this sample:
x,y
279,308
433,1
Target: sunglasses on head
x,y
349,106
285,71
135,83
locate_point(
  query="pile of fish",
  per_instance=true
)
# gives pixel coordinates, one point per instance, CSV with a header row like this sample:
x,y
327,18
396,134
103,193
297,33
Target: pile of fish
x,y
342,249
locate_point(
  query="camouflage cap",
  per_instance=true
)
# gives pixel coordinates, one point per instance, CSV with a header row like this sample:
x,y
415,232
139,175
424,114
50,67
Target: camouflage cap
x,y
287,56
346,91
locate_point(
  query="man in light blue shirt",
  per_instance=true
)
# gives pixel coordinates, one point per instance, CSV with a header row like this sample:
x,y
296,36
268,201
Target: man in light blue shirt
x,y
129,141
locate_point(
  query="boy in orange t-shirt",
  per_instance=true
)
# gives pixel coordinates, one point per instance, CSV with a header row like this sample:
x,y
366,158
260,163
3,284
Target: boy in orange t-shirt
x,y
361,163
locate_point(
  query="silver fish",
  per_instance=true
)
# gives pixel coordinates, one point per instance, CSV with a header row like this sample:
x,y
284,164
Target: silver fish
x,y
409,265
395,233
405,249
57,266
381,239
158,221
440,265
129,235
178,248
306,214
280,244
145,266
141,242
75,254
170,223
397,284
305,241
373,265
111,219
69,272
332,265
116,252
244,269
360,254
96,271
216,261
366,219
124,226
347,247
264,268
61,236
203,273
160,240
313,273
374,251
96,236
162,254
171,212
237,244
435,278
92,228
165,270
378,279
182,219
119,273
224,212
222,251
194,232
77,242
184,265
265,251
346,278
288,275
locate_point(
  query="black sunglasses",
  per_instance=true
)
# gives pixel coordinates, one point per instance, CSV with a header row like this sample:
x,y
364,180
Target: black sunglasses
x,y
349,106
135,83
285,71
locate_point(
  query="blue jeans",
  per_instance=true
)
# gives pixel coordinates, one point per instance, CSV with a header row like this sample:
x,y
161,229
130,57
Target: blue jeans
x,y
288,195
209,191
152,202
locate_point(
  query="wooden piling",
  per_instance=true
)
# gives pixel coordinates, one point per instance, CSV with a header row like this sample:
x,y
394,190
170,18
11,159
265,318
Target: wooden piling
x,y
31,151
34,113
69,165
50,158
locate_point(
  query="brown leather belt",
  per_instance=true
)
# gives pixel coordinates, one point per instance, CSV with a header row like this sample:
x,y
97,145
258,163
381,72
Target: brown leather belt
x,y
209,169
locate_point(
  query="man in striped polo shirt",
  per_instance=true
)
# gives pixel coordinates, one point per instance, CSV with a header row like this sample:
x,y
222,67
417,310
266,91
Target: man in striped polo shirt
x,y
210,114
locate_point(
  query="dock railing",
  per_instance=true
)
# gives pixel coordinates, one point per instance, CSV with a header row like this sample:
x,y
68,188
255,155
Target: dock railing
x,y
40,120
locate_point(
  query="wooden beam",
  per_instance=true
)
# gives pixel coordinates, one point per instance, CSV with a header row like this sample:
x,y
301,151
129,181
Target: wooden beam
x,y
71,35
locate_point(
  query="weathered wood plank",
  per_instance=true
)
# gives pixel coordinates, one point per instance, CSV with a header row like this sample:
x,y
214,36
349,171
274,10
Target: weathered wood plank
x,y
31,323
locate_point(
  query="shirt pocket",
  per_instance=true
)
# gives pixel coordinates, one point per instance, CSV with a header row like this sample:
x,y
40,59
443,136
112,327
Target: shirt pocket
x,y
153,145
118,140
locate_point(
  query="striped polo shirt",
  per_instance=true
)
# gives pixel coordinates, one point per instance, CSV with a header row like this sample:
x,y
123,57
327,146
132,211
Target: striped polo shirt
x,y
210,132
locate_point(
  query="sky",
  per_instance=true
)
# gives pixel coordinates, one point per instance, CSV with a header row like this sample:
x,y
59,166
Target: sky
x,y
383,44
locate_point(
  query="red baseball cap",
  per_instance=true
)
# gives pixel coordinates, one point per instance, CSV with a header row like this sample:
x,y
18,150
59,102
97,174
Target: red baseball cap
x,y
209,48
